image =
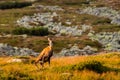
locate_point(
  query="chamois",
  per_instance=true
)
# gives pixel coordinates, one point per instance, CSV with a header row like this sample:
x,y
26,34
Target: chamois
x,y
45,54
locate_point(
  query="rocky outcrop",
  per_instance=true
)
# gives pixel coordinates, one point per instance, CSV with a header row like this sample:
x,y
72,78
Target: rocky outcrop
x,y
103,12
51,8
109,40
74,50
8,50
47,20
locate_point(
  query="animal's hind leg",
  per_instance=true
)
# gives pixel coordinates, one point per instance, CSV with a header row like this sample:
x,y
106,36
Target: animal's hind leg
x,y
42,61
49,62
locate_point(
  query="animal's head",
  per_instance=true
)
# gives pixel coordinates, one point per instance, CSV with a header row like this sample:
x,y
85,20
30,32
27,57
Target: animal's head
x,y
49,39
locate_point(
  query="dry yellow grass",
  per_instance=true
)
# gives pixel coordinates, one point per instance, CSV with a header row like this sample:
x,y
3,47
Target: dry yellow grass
x,y
28,71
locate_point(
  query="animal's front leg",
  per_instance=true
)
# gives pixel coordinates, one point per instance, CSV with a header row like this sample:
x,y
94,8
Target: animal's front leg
x,y
36,65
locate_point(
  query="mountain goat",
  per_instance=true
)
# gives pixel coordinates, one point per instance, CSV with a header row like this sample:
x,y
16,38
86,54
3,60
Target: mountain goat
x,y
45,54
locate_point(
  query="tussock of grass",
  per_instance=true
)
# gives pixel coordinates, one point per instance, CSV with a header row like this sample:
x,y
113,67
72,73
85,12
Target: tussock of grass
x,y
89,65
102,21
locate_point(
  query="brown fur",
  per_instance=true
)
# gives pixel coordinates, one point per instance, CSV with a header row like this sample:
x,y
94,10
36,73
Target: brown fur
x,y
45,55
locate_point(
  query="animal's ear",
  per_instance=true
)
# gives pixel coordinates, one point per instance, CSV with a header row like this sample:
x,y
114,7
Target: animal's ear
x,y
48,38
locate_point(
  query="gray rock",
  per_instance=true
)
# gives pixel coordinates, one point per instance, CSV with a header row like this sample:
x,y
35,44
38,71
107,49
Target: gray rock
x,y
69,23
86,27
110,40
47,20
74,50
8,50
103,12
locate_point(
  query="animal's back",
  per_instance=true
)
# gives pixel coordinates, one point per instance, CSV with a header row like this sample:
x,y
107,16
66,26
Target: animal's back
x,y
46,52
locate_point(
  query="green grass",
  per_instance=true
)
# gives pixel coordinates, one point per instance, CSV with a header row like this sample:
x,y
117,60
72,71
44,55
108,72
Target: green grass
x,y
9,18
37,43
106,28
68,2
102,21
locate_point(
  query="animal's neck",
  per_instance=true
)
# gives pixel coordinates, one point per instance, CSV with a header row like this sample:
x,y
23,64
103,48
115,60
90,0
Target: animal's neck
x,y
50,44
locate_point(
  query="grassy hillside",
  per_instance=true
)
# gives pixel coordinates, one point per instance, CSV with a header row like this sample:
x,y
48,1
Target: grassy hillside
x,y
10,16
96,67
99,67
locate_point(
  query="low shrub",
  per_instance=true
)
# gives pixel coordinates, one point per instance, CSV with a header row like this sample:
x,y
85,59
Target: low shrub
x,y
89,65
10,5
39,31
93,43
20,30
77,3
102,21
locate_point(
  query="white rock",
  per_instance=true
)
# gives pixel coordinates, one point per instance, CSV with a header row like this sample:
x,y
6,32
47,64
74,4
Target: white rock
x,y
14,60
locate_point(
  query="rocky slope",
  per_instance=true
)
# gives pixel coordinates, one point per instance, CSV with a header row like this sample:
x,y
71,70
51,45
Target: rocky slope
x,y
7,50
47,20
72,19
103,12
